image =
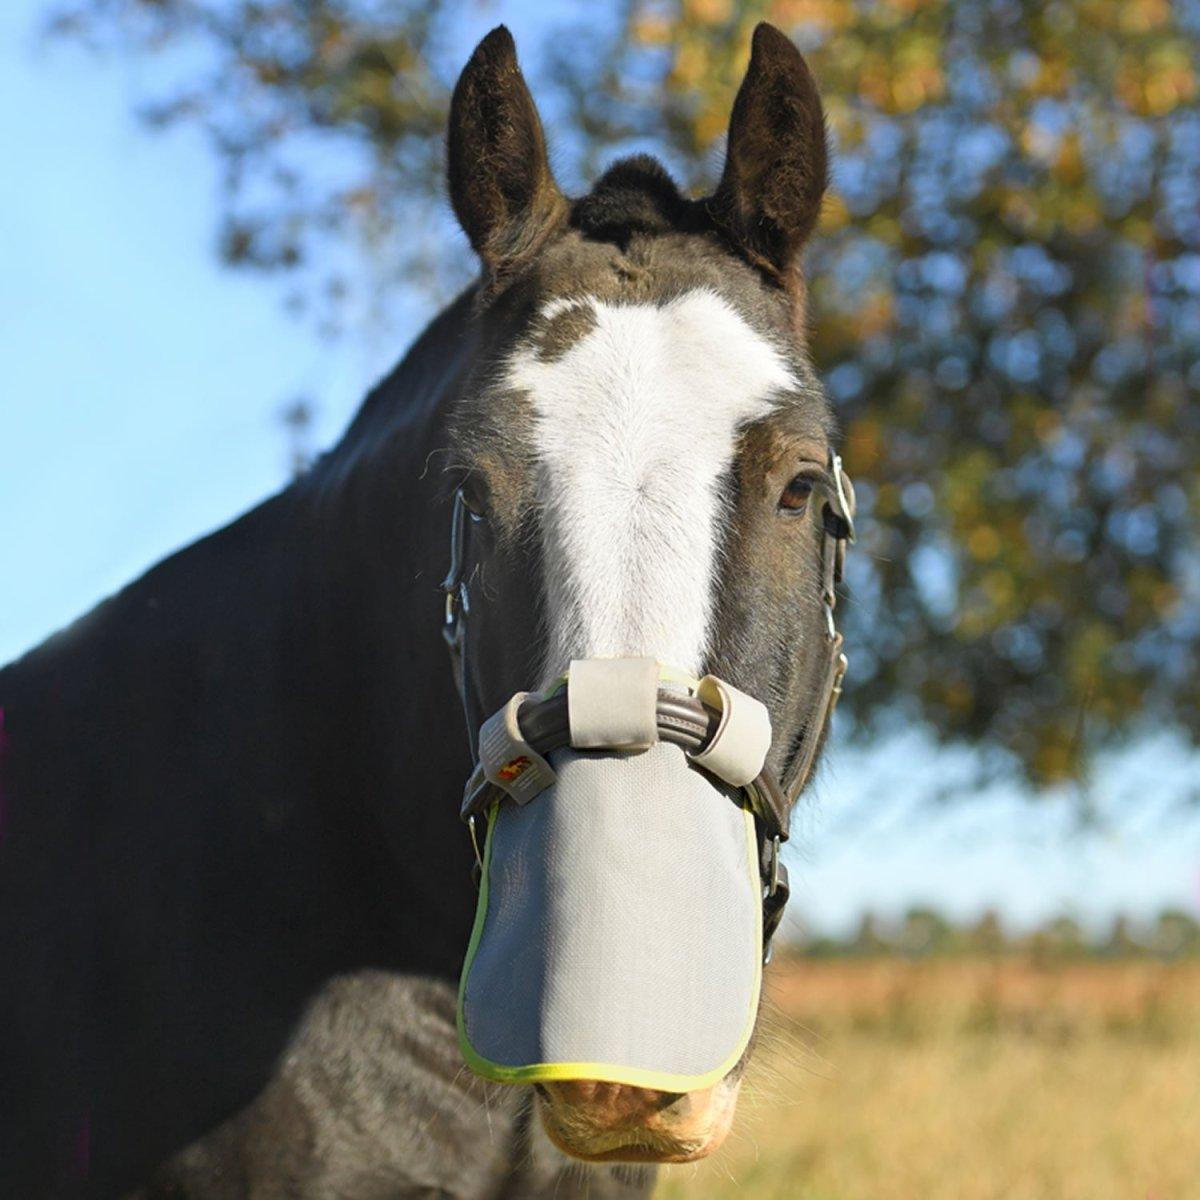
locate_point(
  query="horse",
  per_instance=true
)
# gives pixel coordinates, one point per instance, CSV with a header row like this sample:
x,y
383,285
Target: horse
x,y
235,889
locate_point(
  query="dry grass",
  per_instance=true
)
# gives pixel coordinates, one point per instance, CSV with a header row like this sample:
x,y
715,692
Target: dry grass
x,y
952,1080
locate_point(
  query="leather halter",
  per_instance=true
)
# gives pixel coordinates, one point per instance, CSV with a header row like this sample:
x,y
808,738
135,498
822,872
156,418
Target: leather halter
x,y
683,720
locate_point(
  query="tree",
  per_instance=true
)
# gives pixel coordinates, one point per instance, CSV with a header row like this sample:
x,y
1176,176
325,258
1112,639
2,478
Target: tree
x,y
1176,933
986,937
923,932
868,939
1120,942
1005,295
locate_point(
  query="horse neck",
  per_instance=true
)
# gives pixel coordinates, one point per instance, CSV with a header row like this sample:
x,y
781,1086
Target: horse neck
x,y
227,784
382,704
381,512
280,686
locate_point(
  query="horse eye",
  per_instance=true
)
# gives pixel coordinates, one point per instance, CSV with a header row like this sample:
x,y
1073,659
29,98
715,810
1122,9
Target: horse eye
x,y
795,495
474,496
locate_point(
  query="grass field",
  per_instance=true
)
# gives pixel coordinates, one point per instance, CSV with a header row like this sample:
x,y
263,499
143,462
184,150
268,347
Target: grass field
x,y
882,1079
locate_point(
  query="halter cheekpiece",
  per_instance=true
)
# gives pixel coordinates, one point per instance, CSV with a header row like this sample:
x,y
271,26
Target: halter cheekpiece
x,y
628,704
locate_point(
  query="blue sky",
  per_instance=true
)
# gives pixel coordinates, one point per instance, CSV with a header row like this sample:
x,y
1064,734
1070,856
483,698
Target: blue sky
x,y
141,382
138,409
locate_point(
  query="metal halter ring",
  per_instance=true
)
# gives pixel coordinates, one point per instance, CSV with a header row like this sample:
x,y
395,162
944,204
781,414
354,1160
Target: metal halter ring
x,y
453,585
845,495
773,877
475,841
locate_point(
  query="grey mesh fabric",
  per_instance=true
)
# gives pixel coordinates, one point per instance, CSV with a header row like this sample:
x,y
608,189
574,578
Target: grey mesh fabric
x,y
618,935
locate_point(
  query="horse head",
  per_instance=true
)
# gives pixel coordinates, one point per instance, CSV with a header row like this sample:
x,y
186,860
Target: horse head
x,y
650,519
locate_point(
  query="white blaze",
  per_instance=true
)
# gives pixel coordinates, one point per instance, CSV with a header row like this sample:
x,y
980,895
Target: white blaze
x,y
636,425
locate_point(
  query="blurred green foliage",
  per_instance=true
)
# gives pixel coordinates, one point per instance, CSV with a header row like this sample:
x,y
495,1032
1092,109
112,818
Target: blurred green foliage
x,y
922,933
1005,291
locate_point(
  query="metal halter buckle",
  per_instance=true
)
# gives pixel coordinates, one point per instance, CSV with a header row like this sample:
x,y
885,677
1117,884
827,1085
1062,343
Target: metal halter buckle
x,y
846,501
475,842
830,628
453,586
773,870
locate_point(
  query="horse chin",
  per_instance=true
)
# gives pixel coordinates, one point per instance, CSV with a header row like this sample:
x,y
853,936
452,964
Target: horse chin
x,y
604,1123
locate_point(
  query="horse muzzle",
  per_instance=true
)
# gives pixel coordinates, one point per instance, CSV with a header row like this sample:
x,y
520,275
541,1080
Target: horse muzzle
x,y
611,1122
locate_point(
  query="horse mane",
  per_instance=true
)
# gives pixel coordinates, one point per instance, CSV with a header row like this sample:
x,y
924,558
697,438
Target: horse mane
x,y
402,404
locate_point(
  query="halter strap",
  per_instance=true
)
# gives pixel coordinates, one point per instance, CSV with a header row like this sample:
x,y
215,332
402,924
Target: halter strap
x,y
837,525
454,622
543,724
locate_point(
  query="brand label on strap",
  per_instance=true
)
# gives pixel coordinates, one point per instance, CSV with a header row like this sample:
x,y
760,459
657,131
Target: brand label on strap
x,y
507,759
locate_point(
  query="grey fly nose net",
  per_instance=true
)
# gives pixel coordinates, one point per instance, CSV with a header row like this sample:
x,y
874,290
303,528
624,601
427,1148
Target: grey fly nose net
x,y
630,877
619,929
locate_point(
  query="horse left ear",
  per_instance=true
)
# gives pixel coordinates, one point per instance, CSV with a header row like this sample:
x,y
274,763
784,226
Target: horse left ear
x,y
776,159
501,185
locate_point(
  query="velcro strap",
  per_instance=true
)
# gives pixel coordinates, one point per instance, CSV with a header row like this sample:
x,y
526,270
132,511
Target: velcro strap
x,y
611,703
739,747
507,759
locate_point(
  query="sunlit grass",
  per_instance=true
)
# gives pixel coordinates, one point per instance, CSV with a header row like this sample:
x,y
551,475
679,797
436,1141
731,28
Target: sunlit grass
x,y
886,1080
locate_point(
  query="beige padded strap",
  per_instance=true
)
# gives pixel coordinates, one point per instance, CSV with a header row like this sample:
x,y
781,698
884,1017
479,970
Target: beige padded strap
x,y
739,747
611,703
507,759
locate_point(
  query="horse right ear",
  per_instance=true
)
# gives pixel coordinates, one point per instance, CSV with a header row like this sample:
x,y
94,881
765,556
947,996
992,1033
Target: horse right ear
x,y
501,186
776,160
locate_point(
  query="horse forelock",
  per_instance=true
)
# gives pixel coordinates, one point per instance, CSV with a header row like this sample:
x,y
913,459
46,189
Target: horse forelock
x,y
635,195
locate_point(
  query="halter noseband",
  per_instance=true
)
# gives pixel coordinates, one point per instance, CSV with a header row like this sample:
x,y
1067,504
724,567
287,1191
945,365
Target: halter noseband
x,y
539,724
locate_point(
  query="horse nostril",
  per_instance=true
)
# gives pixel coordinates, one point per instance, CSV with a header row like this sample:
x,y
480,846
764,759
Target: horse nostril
x,y
616,1122
611,1104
